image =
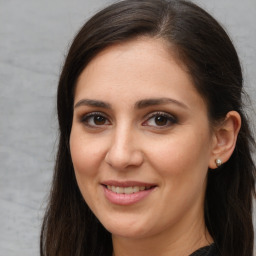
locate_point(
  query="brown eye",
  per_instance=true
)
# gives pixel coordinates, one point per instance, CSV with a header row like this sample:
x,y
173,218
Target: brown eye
x,y
95,119
161,120
99,120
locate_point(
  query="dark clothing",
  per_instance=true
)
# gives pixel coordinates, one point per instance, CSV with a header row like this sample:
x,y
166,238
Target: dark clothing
x,y
210,250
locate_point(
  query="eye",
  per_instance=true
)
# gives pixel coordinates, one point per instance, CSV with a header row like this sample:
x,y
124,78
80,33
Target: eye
x,y
95,119
160,119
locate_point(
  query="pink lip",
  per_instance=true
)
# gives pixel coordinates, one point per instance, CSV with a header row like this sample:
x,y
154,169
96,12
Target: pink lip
x,y
127,183
126,199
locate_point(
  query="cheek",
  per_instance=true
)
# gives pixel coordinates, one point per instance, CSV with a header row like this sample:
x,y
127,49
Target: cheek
x,y
185,154
183,166
85,155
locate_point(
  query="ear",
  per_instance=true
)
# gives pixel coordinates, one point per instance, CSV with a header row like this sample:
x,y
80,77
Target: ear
x,y
224,138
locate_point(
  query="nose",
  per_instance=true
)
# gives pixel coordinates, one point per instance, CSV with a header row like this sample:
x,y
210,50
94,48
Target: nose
x,y
124,150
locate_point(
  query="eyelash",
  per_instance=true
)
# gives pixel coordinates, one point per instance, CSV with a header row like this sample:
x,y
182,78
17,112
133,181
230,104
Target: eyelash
x,y
169,119
86,118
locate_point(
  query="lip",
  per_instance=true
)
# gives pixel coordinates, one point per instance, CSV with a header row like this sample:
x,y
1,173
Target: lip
x,y
127,183
126,199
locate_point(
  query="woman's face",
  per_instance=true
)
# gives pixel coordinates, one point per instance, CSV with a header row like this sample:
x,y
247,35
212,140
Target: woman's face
x,y
140,141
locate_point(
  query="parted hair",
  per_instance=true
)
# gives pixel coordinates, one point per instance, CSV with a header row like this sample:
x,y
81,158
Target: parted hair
x,y
198,41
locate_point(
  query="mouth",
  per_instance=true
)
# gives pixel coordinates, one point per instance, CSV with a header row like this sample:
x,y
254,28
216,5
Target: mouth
x,y
127,193
128,190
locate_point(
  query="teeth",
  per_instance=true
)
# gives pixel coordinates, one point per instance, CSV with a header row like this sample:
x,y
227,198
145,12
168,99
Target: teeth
x,y
136,189
118,190
127,190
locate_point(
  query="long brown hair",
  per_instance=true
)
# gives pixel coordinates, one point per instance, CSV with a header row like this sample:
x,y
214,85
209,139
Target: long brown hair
x,y
202,45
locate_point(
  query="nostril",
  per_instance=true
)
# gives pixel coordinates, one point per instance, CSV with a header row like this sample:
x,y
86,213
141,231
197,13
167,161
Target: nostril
x,y
121,158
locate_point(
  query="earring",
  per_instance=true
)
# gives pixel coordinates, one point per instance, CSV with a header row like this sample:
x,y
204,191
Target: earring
x,y
218,162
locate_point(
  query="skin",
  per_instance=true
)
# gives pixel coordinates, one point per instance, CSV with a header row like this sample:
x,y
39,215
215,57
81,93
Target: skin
x,y
123,141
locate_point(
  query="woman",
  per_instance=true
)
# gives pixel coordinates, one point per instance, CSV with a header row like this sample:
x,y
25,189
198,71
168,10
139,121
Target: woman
x,y
155,150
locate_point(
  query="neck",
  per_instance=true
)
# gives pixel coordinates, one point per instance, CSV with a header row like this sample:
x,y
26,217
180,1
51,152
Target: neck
x,y
180,241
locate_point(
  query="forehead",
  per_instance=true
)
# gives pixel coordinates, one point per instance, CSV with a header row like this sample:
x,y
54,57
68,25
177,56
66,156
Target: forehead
x,y
139,68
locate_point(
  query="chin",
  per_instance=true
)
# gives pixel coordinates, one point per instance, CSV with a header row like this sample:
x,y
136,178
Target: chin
x,y
128,229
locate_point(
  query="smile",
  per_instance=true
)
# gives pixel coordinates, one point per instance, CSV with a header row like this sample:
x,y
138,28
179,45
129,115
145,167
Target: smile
x,y
127,190
126,193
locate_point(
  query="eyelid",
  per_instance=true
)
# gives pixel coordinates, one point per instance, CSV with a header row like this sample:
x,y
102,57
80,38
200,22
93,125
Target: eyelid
x,y
171,118
160,113
86,116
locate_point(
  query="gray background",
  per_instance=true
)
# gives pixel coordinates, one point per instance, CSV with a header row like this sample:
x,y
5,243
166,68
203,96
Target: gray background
x,y
34,38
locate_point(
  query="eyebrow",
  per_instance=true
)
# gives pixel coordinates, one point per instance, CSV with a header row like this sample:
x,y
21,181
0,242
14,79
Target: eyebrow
x,y
138,105
92,103
158,101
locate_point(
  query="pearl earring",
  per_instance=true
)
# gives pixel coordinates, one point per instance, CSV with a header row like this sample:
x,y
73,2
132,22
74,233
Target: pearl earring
x,y
218,162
